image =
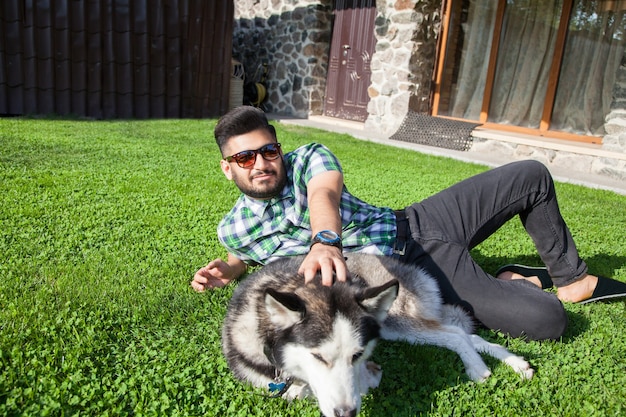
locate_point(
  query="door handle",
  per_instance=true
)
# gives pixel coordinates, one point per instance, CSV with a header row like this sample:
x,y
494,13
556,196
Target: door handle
x,y
345,46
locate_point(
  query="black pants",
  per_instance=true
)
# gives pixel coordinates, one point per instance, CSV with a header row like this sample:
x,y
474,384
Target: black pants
x,y
445,227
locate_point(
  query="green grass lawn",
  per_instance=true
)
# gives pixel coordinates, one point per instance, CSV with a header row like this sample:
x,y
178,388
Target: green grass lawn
x,y
103,223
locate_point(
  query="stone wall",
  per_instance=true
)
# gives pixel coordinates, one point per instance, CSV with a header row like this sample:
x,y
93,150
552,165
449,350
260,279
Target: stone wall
x,y
292,39
403,62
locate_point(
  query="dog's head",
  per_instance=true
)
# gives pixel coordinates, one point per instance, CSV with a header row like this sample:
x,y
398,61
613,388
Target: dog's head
x,y
323,337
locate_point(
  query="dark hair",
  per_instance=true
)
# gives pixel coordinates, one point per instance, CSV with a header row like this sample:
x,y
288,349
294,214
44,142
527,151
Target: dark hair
x,y
239,121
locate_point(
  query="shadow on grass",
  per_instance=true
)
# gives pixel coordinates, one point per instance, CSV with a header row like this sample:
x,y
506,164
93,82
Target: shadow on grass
x,y
411,377
414,376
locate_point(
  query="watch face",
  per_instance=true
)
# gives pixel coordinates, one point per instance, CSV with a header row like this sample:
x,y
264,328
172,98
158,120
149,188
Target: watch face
x,y
329,235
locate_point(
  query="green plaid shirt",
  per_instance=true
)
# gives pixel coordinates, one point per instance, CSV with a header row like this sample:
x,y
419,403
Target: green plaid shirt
x,y
259,231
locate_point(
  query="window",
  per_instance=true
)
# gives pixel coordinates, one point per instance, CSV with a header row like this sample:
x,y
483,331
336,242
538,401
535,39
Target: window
x,y
546,66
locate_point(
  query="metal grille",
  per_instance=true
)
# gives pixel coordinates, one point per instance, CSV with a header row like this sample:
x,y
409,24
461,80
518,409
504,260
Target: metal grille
x,y
435,131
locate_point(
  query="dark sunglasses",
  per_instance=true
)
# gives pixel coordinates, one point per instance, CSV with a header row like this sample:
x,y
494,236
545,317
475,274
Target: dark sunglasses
x,y
246,159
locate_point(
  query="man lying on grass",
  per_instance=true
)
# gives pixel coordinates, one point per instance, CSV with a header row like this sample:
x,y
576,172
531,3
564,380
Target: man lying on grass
x,y
297,203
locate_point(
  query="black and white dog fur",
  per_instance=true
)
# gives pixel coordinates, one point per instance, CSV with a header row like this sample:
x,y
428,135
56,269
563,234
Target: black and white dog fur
x,y
316,340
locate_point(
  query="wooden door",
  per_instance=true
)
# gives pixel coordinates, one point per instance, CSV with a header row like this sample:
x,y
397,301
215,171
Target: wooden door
x,y
351,51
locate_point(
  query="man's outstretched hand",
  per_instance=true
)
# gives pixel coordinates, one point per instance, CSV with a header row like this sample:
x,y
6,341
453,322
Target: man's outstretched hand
x,y
217,274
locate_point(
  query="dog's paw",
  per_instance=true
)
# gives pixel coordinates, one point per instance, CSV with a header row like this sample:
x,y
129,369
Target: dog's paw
x,y
298,391
373,368
521,366
371,374
478,373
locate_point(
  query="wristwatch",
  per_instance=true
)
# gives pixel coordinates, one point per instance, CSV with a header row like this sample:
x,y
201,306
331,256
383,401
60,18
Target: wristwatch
x,y
327,237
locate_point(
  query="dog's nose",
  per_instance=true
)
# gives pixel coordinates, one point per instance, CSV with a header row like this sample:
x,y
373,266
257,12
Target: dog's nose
x,y
342,412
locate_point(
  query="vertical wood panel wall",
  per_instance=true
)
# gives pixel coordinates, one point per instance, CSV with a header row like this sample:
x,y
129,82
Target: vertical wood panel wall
x,y
115,58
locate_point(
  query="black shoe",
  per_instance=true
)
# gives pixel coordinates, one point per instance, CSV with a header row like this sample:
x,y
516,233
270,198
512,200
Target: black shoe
x,y
529,271
606,289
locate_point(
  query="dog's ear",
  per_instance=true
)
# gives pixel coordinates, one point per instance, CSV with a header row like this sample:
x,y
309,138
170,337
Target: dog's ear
x,y
377,300
284,309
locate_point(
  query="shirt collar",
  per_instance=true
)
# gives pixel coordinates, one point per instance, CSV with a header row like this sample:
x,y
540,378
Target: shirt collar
x,y
258,207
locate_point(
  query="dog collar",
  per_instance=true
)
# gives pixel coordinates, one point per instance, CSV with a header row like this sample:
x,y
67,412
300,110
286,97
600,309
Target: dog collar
x,y
279,385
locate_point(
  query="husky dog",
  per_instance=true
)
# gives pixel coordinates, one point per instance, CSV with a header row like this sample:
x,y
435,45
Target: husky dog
x,y
300,340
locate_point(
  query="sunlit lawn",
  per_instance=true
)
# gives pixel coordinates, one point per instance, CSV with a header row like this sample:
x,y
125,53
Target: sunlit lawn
x,y
102,225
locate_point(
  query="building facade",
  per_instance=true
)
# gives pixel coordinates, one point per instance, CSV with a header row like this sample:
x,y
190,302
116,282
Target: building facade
x,y
557,68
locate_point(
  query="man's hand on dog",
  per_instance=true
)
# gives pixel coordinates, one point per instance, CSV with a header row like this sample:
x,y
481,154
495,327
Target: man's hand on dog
x,y
328,260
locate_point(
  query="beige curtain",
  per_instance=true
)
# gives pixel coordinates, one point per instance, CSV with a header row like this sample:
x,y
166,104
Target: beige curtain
x,y
524,59
466,102
593,52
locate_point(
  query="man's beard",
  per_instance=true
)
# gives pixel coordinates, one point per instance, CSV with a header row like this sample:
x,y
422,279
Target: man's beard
x,y
263,193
